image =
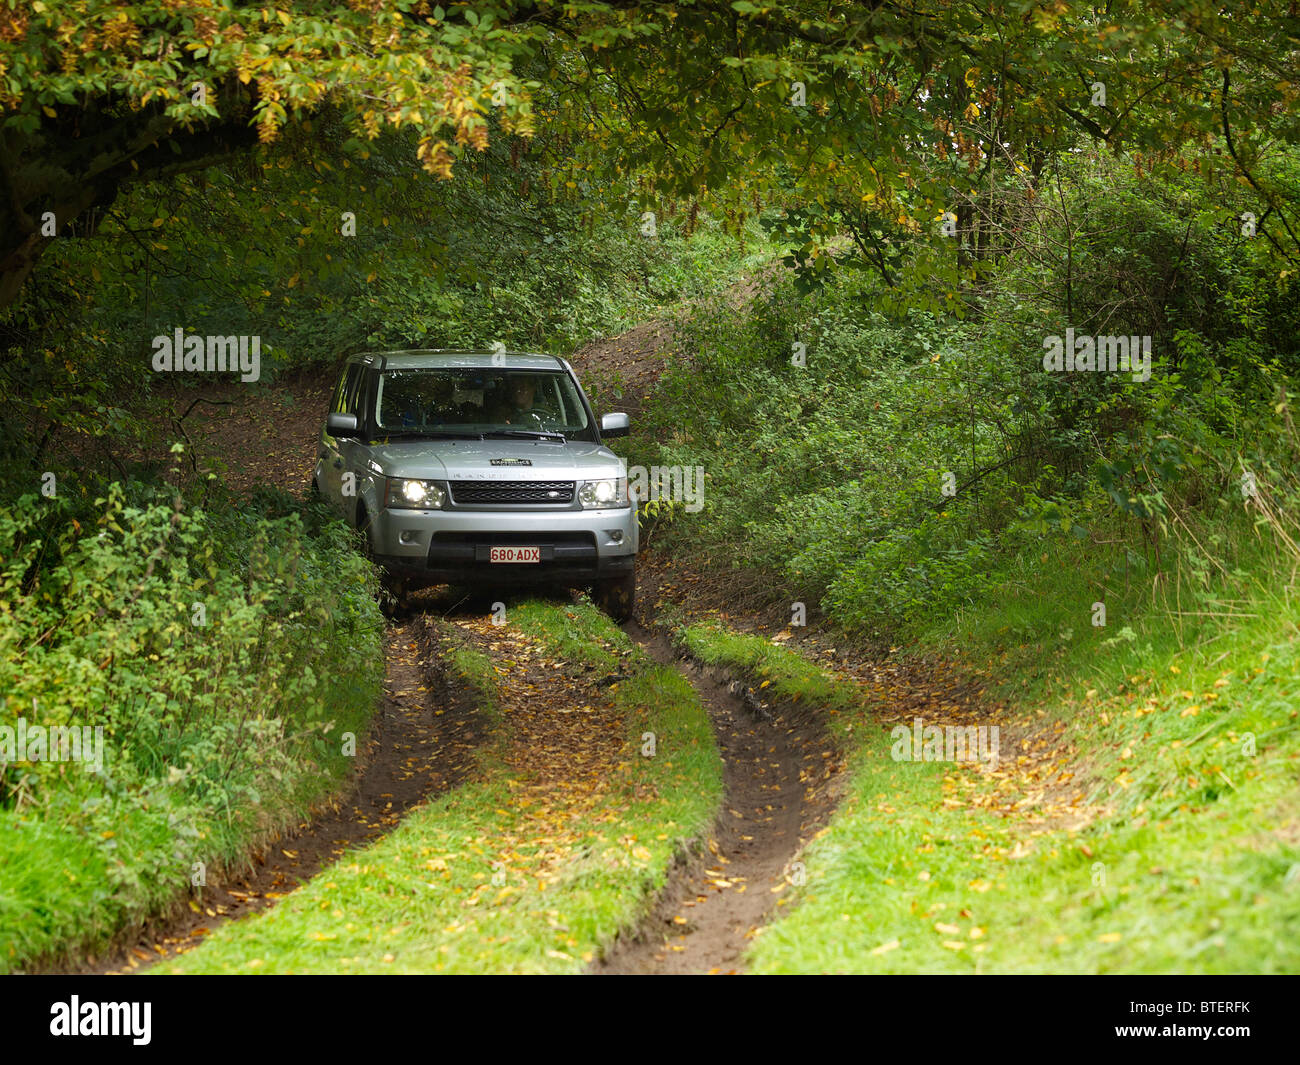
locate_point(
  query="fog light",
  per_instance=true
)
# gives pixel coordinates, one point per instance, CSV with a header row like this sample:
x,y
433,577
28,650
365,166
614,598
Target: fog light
x,y
408,536
615,535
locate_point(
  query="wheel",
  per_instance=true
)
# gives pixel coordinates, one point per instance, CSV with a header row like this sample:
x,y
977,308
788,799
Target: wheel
x,y
394,594
363,527
397,589
616,596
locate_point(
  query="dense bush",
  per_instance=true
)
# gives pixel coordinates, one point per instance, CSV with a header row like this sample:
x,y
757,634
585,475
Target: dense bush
x,y
833,474
222,651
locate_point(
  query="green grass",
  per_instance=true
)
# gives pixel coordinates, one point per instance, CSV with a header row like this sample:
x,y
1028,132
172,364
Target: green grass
x,y
1194,866
790,675
477,880
68,890
577,632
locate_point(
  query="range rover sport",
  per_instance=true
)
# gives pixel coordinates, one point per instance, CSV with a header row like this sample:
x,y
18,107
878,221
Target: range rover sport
x,y
481,469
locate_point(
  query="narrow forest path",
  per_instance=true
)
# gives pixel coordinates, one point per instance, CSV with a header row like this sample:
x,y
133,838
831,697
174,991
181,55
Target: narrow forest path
x,y
777,766
783,774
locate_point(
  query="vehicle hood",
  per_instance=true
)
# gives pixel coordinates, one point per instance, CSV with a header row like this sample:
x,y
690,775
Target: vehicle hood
x,y
539,460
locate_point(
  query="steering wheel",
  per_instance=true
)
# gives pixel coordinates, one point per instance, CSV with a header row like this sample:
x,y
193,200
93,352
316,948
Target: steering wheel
x,y
527,419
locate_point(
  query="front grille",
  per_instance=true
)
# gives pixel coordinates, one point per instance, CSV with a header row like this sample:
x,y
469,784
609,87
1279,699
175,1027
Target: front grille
x,y
474,493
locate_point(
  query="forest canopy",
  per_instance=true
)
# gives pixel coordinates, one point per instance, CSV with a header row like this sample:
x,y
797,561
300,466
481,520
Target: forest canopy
x,y
884,116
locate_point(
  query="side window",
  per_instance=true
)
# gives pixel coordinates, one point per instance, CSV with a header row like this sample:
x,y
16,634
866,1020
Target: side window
x,y
345,394
352,387
336,404
363,398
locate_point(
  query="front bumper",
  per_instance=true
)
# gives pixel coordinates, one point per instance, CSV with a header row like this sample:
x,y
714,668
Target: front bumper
x,y
449,546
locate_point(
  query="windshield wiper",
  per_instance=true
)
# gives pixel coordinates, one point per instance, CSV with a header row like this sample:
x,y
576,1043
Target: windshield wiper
x,y
436,434
524,434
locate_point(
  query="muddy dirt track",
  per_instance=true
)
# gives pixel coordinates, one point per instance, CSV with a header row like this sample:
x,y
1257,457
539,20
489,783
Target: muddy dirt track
x,y
779,777
419,745
780,769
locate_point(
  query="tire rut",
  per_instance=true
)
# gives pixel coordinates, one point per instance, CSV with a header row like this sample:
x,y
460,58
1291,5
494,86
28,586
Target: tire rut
x,y
420,744
781,782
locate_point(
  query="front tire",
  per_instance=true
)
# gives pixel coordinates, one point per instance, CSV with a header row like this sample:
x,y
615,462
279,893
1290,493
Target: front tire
x,y
398,590
616,596
363,527
395,592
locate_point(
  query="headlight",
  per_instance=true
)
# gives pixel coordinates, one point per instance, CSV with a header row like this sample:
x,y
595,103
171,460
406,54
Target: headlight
x,y
610,493
413,495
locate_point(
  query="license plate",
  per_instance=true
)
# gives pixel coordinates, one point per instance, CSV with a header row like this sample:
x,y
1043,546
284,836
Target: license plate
x,y
515,554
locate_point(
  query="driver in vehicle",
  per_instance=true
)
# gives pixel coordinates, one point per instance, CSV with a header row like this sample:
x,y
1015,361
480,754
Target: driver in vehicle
x,y
518,407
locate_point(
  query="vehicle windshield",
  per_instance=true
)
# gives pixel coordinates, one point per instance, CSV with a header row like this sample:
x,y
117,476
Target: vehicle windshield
x,y
456,401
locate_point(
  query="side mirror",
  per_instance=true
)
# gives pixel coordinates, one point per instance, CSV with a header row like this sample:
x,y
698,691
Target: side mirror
x,y
614,425
342,425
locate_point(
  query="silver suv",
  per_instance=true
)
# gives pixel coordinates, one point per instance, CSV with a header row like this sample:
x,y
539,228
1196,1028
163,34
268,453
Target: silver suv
x,y
480,468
